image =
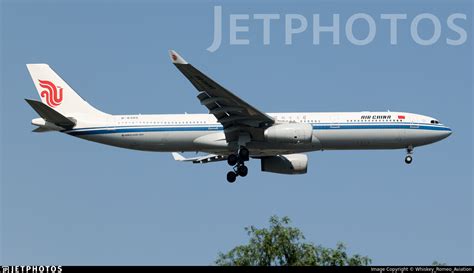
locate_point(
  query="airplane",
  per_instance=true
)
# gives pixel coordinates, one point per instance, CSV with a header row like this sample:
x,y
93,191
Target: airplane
x,y
232,131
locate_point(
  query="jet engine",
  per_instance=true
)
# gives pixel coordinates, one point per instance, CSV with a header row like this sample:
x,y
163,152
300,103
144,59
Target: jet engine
x,y
285,164
294,133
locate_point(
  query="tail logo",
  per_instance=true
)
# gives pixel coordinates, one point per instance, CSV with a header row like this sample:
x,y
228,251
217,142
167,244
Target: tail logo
x,y
53,94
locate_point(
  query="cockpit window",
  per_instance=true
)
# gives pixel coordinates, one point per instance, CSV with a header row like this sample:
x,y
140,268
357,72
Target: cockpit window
x,y
434,121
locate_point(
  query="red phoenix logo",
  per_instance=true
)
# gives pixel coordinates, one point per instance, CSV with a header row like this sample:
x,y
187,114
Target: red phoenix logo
x,y
174,57
53,94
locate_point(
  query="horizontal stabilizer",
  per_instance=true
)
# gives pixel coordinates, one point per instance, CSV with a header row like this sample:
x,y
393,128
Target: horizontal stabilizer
x,y
41,130
50,115
202,159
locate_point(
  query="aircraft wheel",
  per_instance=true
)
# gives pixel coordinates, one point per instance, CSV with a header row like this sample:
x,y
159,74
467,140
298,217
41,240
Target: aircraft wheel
x,y
242,171
231,176
232,160
244,154
408,159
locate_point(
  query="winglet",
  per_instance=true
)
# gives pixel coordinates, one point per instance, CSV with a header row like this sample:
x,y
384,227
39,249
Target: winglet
x,y
178,157
176,58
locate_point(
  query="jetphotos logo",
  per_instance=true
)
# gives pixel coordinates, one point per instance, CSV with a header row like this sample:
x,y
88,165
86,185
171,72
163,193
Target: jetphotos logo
x,y
52,94
359,29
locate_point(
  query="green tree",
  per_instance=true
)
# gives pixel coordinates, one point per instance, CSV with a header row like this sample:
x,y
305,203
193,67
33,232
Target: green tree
x,y
283,245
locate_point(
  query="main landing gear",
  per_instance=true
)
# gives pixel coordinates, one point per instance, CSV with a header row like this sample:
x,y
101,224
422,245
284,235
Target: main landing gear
x,y
408,158
237,161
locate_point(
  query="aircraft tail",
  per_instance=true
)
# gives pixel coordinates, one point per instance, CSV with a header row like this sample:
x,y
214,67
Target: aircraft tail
x,y
57,94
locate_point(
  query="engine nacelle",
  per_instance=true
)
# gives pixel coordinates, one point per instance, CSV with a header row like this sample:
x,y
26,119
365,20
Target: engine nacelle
x,y
290,133
285,164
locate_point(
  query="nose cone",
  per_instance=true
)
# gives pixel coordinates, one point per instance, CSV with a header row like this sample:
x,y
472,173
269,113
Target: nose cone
x,y
442,134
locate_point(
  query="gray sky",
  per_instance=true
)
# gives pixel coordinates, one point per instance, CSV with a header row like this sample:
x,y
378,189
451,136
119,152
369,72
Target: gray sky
x,y
69,201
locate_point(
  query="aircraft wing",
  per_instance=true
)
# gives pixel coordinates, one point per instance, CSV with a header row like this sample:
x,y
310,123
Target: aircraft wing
x,y
201,159
232,112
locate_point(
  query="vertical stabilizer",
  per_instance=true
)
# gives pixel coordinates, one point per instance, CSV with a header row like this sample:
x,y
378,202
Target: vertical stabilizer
x,y
57,94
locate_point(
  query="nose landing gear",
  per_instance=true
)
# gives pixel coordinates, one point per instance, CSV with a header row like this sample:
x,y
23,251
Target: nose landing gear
x,y
408,158
238,161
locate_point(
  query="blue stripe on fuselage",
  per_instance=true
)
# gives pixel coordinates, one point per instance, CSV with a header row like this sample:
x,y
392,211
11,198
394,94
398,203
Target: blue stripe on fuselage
x,y
113,130
381,126
336,126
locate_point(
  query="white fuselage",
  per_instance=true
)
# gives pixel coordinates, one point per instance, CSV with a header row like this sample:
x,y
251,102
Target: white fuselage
x,y
202,132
